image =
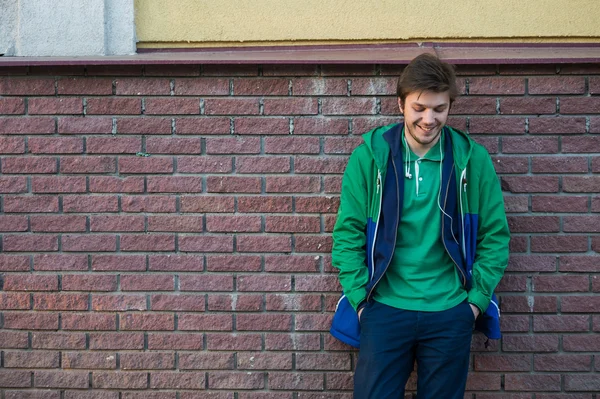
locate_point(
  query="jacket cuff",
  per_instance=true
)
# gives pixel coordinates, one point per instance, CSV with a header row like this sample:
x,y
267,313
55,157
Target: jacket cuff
x,y
478,299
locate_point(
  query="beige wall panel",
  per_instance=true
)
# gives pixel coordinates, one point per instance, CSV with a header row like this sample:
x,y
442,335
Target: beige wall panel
x,y
230,21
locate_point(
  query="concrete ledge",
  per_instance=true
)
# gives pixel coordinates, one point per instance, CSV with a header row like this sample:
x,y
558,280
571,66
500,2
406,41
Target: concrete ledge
x,y
459,53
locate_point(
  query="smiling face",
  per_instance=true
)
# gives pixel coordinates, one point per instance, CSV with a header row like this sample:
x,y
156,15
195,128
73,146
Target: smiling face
x,y
425,114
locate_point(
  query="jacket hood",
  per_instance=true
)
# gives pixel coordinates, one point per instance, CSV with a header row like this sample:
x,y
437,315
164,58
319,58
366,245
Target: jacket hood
x,y
462,145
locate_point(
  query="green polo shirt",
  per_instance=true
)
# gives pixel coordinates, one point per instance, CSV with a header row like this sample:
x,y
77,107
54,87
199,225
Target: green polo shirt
x,y
421,275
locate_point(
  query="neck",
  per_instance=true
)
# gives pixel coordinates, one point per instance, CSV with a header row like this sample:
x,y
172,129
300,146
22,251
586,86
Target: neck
x,y
416,147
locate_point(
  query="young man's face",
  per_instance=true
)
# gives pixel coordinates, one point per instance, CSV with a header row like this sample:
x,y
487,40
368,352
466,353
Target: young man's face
x,y
425,113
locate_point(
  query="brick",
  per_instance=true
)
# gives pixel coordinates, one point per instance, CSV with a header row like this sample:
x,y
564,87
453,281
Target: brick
x,y
579,224
262,125
58,184
172,106
12,106
262,164
85,125
529,304
320,165
557,125
578,264
146,322
30,282
206,243
30,321
506,165
561,203
146,165
87,86
178,341
48,262
88,165
235,302
56,340
494,362
204,164
113,145
235,263
532,263
118,302
389,106
119,380
349,106
470,105
205,322
293,184
233,184
118,262
207,204
115,341
534,224
533,383
293,302
290,70
113,106
58,223
177,380
206,282
148,203
497,86
292,263
292,145
529,184
291,106
13,339
15,379
60,301
583,144
587,184
264,361
497,125
218,223
148,395
577,303
203,125
584,382
143,125
90,204
320,87
89,322
10,86
52,106
142,86
296,381
556,85
13,223
232,106
316,283
14,263
147,361
154,282
562,362
177,302
233,145
55,145
580,342
61,379
14,301
267,283
29,243
263,322
363,124
159,145
27,125
12,145
325,361
236,380
561,323
89,243
295,341
530,343
570,243
28,394
292,224
320,126
527,105
490,143
313,322
174,184
33,359
202,87
264,204
251,243
564,164
332,184
176,263
373,86
88,360
261,87
342,145
579,105
594,85
86,282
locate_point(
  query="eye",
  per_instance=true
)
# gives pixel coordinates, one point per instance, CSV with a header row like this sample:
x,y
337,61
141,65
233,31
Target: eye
x,y
440,109
419,109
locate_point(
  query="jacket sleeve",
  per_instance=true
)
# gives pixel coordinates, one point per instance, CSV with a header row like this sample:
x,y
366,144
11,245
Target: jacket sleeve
x,y
493,236
349,232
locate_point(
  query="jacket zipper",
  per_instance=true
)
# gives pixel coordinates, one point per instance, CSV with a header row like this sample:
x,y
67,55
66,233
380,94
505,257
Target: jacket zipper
x,y
444,242
395,231
376,223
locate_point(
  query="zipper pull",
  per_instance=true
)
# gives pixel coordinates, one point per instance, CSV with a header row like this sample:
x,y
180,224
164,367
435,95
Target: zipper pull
x,y
378,180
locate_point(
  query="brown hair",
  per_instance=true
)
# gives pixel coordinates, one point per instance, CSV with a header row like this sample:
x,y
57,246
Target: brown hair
x,y
427,73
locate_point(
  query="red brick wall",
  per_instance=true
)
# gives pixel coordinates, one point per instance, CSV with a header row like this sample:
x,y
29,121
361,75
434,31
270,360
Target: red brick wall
x,y
168,228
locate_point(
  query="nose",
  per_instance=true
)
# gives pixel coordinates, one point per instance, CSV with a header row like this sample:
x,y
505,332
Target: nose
x,y
428,117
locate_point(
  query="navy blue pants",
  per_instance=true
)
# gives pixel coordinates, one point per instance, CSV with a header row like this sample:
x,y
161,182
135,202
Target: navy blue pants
x,y
391,340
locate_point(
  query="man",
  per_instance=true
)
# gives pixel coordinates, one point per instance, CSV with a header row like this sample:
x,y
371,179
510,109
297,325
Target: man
x,y
421,241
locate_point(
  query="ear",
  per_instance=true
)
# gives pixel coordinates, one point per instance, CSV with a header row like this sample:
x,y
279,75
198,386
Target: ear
x,y
401,105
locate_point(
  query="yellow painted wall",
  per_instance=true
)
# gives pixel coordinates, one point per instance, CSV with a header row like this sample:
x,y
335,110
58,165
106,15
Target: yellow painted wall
x,y
186,23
